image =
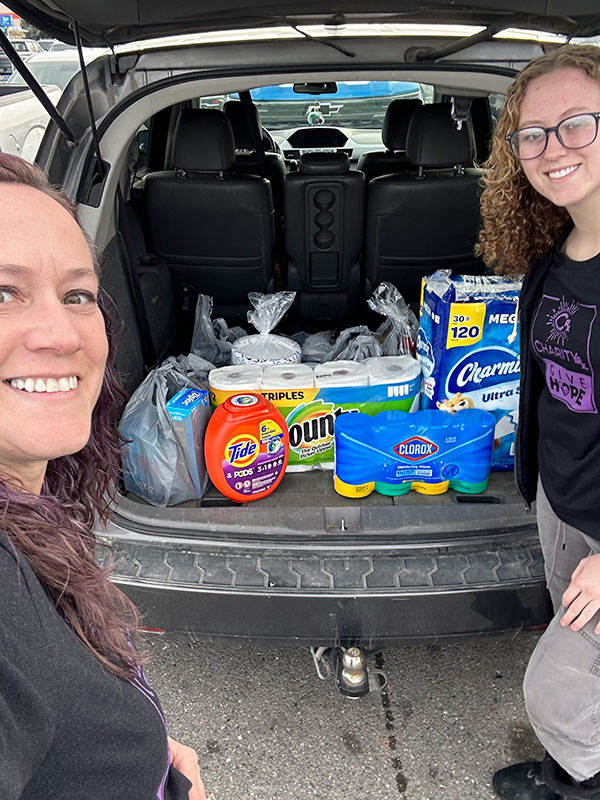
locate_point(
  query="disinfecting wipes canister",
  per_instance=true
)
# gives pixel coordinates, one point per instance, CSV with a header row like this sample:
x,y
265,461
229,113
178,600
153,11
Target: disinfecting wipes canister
x,y
469,353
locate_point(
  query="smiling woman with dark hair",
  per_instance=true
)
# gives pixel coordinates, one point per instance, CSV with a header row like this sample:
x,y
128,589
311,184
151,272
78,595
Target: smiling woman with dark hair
x,y
77,718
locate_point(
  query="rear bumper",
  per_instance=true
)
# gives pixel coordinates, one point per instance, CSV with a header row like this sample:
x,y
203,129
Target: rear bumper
x,y
375,596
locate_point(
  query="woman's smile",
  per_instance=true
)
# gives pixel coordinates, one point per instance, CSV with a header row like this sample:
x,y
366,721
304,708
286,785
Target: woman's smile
x,y
563,172
39,384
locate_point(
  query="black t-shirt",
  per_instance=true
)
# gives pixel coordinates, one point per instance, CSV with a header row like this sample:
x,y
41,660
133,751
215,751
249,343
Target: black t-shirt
x,y
565,339
69,729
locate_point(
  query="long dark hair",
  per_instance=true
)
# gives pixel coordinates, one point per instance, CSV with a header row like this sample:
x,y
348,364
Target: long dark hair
x,y
53,530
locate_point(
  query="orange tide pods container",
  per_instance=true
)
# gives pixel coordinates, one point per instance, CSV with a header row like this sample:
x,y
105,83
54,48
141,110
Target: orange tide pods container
x,y
246,447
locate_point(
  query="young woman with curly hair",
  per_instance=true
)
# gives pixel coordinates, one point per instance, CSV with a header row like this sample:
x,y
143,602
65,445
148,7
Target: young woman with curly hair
x,y
77,718
541,217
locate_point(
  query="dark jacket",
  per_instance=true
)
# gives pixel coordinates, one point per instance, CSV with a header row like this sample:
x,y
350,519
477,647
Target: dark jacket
x,y
532,381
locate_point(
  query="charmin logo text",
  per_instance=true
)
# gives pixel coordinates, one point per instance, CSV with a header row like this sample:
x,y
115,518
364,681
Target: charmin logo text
x,y
483,368
416,448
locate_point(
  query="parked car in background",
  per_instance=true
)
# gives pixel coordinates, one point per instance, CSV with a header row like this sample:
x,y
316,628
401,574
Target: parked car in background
x,y
26,47
6,67
45,44
23,119
56,46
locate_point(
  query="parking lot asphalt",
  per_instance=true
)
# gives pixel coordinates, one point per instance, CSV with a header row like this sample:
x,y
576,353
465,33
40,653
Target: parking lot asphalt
x,y
265,726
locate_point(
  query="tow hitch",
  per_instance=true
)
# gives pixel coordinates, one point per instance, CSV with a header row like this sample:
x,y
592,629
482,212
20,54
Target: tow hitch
x,y
353,676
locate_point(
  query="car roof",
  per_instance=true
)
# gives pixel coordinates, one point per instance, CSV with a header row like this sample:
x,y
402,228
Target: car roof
x,y
121,21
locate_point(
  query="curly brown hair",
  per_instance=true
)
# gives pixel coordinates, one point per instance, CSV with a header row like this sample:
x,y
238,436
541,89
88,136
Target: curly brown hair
x,y
519,225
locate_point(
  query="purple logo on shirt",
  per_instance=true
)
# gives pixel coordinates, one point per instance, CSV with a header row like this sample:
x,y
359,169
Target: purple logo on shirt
x,y
565,351
559,321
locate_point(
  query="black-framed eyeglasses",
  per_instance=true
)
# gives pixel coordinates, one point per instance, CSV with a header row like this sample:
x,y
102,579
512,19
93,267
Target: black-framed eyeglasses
x,y
573,133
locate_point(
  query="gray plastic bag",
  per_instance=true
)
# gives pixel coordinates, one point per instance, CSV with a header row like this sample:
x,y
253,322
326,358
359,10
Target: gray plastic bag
x,y
212,340
354,344
316,347
155,465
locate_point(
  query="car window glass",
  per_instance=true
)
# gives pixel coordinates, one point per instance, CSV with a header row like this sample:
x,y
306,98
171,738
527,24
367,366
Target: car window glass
x,y
496,102
50,74
141,152
355,104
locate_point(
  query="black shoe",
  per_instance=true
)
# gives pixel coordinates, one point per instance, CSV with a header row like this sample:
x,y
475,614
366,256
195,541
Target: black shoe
x,y
522,782
561,782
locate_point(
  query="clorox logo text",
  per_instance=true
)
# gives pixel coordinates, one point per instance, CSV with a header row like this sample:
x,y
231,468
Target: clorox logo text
x,y
416,448
241,450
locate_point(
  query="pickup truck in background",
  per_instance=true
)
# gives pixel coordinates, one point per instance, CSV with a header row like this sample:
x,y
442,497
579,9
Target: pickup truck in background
x,y
25,48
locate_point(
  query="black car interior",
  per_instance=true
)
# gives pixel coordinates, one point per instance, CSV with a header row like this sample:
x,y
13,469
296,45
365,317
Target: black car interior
x,y
324,209
417,222
214,227
208,214
396,123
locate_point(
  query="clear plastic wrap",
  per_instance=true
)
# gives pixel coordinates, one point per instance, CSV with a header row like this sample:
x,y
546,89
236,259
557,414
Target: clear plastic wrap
x,y
472,288
265,347
398,333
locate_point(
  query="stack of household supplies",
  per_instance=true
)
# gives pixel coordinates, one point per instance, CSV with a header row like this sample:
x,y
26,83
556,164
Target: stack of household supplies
x,y
311,400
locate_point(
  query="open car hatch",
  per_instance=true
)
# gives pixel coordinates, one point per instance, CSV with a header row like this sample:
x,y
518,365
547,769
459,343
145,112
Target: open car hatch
x,y
115,22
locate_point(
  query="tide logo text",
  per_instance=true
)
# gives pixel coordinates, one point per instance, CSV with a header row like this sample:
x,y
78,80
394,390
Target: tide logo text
x,y
241,450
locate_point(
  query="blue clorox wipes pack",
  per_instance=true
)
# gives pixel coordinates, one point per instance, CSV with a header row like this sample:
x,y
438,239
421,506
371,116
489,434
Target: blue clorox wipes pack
x,y
468,348
428,451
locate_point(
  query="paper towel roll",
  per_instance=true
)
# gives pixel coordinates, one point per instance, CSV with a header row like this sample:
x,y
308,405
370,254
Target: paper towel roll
x,y
392,369
341,373
299,376
245,378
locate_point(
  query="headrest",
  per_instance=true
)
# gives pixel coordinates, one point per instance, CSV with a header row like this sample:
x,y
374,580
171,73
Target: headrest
x,y
204,141
435,141
396,121
236,114
324,163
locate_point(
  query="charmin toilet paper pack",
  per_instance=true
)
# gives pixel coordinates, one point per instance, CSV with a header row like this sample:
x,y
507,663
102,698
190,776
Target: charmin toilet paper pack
x,y
468,349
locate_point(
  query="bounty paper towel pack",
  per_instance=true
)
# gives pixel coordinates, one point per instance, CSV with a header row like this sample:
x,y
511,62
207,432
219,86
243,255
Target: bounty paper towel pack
x,y
245,378
341,373
468,350
312,399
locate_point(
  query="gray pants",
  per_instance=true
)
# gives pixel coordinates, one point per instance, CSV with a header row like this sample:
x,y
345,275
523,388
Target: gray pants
x,y
562,682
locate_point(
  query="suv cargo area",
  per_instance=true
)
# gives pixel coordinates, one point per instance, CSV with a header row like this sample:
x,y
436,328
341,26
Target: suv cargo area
x,y
304,564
